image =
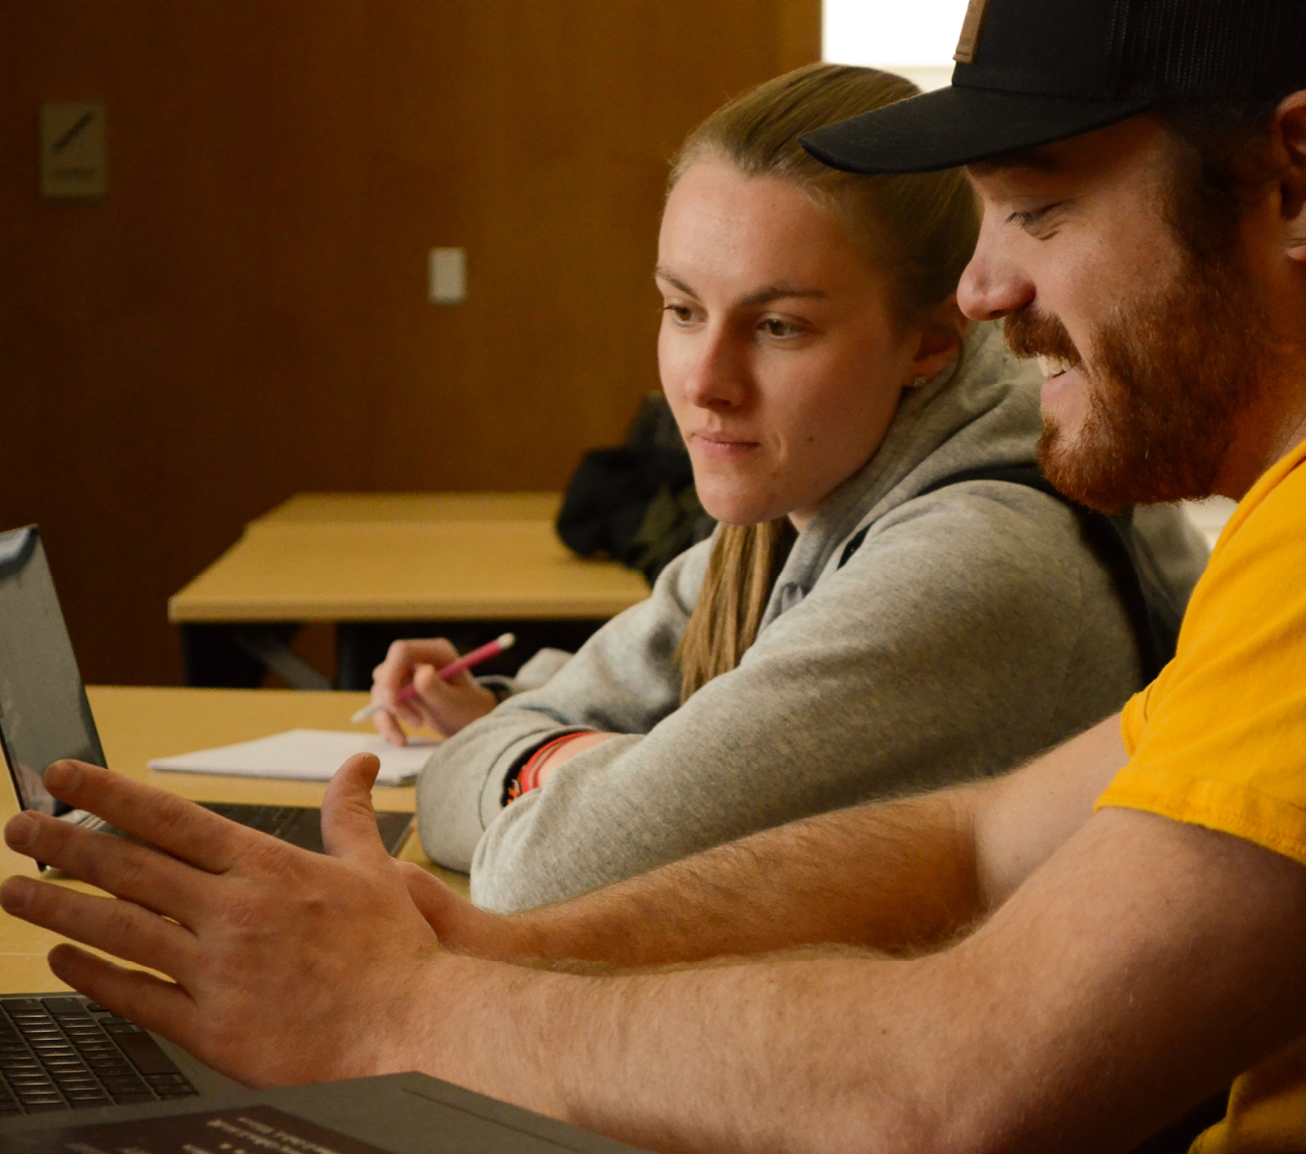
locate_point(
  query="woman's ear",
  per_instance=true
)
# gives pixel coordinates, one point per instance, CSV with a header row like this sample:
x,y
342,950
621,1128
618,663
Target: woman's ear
x,y
938,341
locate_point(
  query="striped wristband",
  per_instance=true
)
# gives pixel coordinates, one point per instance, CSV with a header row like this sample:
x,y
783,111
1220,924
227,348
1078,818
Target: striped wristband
x,y
525,777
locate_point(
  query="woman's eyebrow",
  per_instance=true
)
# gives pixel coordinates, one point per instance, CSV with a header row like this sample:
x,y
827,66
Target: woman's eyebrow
x,y
660,273
769,293
764,295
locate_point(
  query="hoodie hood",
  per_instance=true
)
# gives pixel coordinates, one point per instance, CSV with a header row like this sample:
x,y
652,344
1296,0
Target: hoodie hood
x,y
982,411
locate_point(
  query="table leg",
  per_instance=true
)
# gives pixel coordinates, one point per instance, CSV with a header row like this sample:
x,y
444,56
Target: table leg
x,y
271,647
229,656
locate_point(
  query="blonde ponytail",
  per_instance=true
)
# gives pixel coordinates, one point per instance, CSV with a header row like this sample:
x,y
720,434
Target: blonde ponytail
x,y
740,573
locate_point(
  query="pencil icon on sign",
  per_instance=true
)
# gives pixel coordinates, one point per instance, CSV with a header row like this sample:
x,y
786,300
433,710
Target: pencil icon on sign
x,y
466,661
68,137
72,153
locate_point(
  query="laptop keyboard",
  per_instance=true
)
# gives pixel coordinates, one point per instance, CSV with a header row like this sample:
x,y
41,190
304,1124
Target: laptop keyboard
x,y
67,1053
270,819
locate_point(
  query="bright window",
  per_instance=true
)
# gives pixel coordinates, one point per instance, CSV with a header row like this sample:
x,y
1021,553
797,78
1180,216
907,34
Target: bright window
x,y
914,37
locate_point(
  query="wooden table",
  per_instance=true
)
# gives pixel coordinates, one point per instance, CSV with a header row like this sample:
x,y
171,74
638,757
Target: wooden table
x,y
372,507
354,559
139,724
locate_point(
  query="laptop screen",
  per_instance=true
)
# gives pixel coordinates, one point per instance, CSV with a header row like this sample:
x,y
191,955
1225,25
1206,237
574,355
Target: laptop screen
x,y
44,714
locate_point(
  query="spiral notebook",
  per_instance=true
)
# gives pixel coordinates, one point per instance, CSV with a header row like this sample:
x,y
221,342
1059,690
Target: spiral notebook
x,y
304,755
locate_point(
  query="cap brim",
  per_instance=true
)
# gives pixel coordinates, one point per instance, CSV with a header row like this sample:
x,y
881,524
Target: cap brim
x,y
957,125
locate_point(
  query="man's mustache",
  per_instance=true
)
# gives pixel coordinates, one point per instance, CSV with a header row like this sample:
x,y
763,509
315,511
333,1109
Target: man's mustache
x,y
1033,334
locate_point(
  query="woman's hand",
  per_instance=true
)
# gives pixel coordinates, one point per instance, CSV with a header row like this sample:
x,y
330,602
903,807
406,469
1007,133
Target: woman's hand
x,y
444,706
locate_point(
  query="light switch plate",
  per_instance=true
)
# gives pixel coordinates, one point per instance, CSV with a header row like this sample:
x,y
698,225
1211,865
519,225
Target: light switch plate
x,y
447,276
73,160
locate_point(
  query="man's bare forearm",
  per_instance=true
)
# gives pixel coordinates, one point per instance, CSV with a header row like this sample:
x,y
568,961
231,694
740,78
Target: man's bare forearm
x,y
895,877
1056,1025
611,1053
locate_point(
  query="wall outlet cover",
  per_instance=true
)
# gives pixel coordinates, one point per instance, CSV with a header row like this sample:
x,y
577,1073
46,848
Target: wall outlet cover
x,y
447,276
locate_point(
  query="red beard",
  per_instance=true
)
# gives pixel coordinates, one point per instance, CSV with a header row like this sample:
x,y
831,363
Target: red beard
x,y
1167,375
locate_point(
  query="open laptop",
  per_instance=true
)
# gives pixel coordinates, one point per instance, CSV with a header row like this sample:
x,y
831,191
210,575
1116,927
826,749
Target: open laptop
x,y
390,1114
45,716
75,1076
137,1091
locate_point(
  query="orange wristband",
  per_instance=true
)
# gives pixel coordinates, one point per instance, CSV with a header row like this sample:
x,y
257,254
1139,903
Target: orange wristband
x,y
528,775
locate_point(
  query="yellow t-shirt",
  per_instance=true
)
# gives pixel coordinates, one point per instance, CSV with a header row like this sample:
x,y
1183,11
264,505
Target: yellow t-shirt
x,y
1219,739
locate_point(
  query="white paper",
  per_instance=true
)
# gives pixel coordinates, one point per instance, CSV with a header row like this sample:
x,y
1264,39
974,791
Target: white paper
x,y
304,755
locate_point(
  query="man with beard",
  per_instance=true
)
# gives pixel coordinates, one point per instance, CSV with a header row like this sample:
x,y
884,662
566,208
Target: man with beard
x,y
1069,958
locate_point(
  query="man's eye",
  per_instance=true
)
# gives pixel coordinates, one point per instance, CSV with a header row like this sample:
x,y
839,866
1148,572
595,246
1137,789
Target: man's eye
x,y
1034,220
775,327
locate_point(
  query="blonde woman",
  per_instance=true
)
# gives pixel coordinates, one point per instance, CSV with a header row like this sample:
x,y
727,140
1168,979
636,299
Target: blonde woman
x,y
851,630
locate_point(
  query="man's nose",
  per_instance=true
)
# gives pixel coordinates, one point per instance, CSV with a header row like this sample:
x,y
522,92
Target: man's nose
x,y
993,285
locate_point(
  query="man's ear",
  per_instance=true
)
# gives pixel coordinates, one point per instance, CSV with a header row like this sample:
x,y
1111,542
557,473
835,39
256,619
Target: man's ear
x,y
938,340
1290,117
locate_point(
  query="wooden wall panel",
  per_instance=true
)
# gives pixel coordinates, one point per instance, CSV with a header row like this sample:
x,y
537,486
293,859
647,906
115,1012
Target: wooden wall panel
x,y
244,316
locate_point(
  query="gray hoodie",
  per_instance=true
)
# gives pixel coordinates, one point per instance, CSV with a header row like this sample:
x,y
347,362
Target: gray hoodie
x,y
972,629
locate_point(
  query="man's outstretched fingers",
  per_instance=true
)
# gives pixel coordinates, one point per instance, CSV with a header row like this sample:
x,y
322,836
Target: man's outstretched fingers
x,y
348,819
180,827
147,1000
117,927
125,869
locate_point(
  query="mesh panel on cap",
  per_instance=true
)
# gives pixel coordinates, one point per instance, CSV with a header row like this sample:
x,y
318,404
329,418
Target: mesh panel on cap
x,y
1234,48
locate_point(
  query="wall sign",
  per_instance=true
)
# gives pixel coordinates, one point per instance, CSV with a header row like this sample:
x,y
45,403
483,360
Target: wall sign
x,y
72,151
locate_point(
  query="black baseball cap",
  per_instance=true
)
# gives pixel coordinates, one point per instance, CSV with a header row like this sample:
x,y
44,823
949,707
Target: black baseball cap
x,y
1033,71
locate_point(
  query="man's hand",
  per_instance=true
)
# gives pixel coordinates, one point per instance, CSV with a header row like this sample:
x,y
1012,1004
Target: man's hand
x,y
444,706
288,966
461,926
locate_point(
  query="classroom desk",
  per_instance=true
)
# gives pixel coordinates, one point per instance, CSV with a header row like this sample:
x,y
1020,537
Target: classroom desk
x,y
371,507
139,724
359,559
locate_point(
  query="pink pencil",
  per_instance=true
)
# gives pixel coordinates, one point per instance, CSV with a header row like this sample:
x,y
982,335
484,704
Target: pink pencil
x,y
466,661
